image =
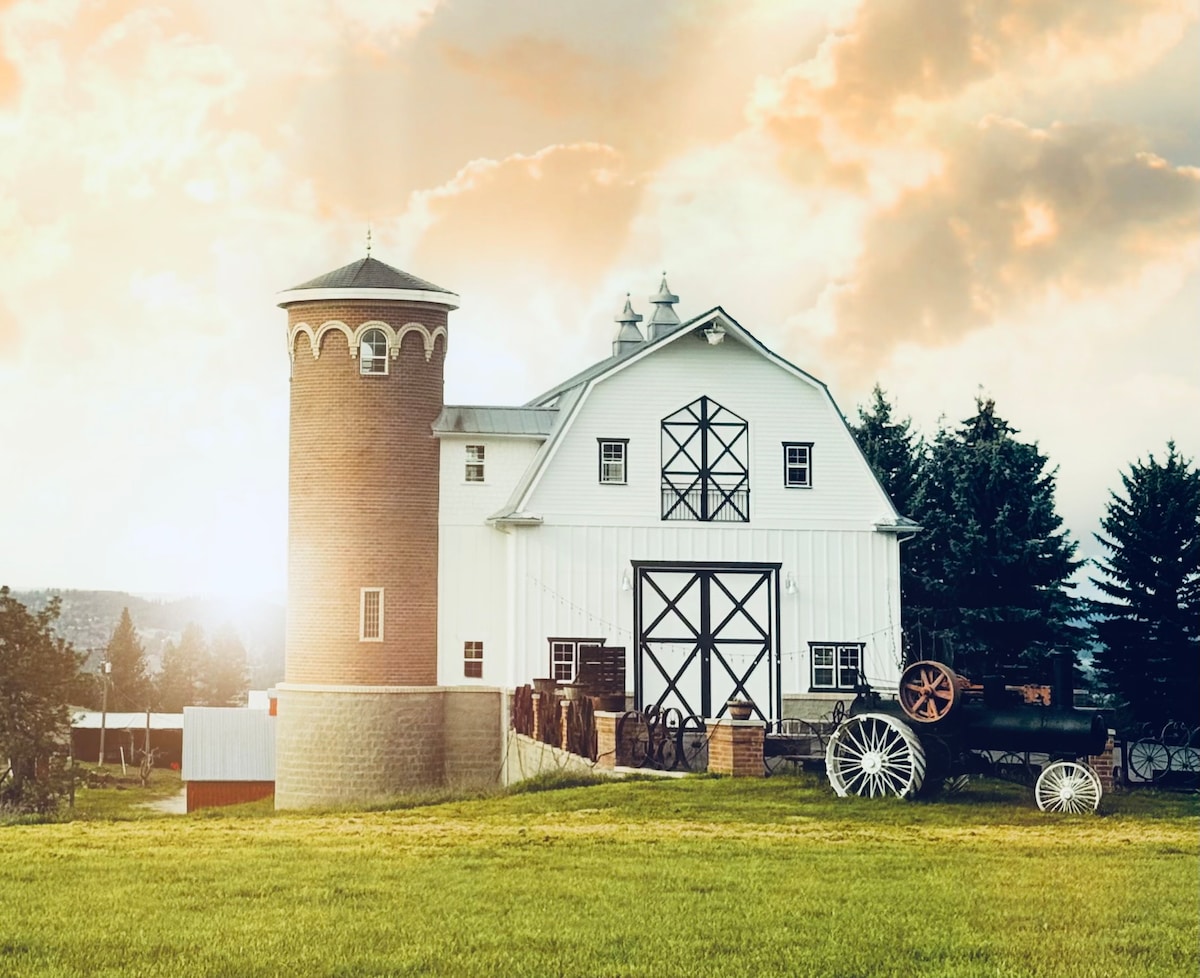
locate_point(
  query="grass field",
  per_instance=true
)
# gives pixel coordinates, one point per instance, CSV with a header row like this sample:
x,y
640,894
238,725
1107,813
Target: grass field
x,y
697,877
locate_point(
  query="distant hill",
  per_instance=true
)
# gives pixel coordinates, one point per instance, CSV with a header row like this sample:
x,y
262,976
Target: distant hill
x,y
88,618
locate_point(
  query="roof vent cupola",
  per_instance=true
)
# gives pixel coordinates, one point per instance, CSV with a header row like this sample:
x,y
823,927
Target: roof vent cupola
x,y
664,318
629,337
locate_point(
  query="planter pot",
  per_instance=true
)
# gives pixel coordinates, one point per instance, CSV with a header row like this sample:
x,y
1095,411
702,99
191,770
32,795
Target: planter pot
x,y
740,709
609,703
544,685
574,692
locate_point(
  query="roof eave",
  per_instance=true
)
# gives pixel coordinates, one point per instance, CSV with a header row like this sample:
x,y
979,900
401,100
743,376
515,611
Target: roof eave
x,y
292,296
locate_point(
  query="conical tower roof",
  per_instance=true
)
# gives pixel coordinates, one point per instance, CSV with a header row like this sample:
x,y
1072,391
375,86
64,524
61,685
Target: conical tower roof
x,y
369,278
664,316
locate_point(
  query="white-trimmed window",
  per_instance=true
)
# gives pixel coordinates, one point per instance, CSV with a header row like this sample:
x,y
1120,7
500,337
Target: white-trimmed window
x,y
373,352
613,455
564,657
473,660
797,464
836,666
370,614
474,471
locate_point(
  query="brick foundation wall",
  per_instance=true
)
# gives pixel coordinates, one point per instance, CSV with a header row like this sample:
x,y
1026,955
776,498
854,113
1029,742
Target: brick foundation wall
x,y
348,746
363,501
474,730
735,747
357,745
215,794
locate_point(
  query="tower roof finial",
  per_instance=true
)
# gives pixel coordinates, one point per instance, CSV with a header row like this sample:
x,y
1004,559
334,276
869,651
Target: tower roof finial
x,y
368,239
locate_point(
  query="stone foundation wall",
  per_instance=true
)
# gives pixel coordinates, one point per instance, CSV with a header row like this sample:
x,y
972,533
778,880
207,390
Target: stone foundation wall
x,y
354,745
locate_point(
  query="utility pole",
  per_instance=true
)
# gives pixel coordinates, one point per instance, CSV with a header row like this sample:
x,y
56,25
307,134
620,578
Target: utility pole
x,y
105,669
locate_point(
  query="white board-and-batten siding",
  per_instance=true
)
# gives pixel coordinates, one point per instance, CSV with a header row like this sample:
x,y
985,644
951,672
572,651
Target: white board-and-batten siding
x,y
515,588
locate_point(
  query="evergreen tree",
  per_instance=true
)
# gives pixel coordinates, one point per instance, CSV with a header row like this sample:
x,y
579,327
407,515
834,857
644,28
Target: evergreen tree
x,y
128,679
228,675
184,666
894,452
991,590
891,447
39,673
1148,626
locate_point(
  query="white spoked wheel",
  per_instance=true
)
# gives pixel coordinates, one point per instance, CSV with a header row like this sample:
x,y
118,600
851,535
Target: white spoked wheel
x,y
1068,786
872,755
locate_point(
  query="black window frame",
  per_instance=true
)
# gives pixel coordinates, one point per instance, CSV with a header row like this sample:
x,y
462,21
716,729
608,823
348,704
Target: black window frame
x,y
845,678
789,465
600,445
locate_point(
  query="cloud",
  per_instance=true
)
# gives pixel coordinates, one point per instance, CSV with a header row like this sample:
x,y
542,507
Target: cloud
x,y
1018,212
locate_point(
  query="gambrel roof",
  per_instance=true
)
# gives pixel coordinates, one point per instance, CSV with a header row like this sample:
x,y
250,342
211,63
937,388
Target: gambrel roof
x,y
570,394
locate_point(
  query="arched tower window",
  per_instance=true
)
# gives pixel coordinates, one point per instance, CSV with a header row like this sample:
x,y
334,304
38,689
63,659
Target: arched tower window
x,y
705,464
373,352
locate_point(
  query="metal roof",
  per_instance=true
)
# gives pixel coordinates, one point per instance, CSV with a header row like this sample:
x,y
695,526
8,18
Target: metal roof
x,y
369,273
90,720
467,419
228,743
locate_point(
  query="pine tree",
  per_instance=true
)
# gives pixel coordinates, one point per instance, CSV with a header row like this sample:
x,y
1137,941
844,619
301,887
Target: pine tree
x,y
129,681
991,590
1148,629
891,448
894,452
39,675
228,675
180,682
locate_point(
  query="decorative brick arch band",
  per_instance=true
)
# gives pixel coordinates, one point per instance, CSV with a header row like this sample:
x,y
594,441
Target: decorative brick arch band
x,y
395,337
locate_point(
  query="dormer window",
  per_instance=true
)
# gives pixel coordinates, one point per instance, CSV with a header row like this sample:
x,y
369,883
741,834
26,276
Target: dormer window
x,y
474,472
373,352
612,461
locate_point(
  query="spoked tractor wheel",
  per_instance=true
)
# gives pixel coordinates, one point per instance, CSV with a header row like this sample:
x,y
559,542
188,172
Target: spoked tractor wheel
x,y
929,691
872,755
1068,786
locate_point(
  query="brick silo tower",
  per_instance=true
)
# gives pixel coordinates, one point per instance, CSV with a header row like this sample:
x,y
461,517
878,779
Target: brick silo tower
x,y
367,344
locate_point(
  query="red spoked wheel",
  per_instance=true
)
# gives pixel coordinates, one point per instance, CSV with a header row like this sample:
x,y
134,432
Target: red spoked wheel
x,y
929,691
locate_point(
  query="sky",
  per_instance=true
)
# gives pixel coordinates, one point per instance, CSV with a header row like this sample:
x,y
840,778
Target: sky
x,y
949,198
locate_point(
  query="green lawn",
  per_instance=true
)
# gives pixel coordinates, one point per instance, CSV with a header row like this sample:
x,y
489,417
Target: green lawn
x,y
697,877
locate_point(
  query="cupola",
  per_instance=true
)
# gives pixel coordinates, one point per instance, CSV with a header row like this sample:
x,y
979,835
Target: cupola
x,y
629,337
664,318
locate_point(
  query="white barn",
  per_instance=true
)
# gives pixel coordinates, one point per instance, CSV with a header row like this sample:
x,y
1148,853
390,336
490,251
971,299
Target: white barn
x,y
694,499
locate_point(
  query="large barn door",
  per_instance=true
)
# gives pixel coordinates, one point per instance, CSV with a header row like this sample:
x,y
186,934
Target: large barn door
x,y
706,634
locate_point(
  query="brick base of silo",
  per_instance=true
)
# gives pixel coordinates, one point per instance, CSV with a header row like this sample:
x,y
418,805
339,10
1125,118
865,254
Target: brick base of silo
x,y
346,746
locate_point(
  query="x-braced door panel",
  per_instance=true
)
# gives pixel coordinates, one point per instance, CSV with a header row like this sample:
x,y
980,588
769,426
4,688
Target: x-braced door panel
x,y
706,634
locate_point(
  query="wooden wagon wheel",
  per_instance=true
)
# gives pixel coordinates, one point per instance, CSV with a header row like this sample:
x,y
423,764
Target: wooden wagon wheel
x,y
929,691
1068,786
873,754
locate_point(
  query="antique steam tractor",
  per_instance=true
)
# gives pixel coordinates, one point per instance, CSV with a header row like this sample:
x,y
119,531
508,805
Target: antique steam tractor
x,y
941,726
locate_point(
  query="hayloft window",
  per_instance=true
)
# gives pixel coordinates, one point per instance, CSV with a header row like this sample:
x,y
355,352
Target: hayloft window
x,y
836,667
612,461
564,656
705,464
797,464
474,463
370,614
473,660
372,352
